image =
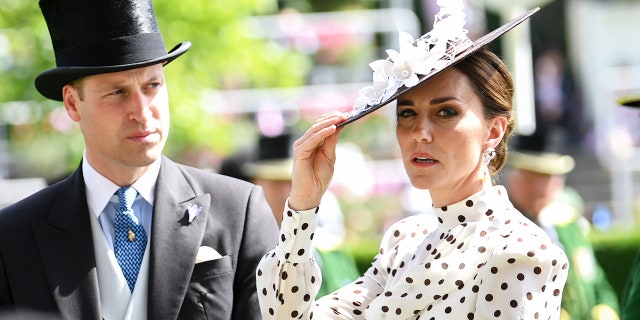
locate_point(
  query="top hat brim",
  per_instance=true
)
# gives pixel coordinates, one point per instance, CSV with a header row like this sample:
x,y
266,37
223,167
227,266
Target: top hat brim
x,y
49,83
542,162
630,101
478,44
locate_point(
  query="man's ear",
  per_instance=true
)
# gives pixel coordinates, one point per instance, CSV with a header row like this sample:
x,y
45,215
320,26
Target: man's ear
x,y
70,99
497,128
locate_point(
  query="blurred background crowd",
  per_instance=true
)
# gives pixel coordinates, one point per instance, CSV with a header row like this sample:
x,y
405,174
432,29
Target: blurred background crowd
x,y
261,68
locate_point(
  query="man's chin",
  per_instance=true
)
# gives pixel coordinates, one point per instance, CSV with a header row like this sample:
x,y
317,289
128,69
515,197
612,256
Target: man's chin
x,y
144,159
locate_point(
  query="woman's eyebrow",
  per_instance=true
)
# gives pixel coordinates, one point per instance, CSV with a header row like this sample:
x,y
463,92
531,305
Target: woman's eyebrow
x,y
441,100
435,101
405,102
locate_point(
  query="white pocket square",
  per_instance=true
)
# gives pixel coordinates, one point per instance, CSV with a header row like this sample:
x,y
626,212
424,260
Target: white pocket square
x,y
207,254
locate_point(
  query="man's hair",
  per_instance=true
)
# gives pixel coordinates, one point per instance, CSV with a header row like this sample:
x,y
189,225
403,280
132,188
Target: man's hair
x,y
78,85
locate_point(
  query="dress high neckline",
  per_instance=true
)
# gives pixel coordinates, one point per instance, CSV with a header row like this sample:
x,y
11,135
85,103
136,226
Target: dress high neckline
x,y
471,209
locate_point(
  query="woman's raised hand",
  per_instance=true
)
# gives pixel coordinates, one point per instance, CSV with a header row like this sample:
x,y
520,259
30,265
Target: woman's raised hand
x,y
314,157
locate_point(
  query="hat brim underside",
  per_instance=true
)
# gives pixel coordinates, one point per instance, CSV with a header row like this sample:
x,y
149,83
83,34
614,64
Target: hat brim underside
x,y
542,162
478,44
50,82
275,169
630,101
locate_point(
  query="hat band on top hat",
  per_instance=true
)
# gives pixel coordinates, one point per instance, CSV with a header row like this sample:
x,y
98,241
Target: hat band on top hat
x,y
119,51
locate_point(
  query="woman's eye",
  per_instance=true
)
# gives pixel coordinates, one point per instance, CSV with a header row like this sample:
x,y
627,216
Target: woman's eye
x,y
405,113
447,112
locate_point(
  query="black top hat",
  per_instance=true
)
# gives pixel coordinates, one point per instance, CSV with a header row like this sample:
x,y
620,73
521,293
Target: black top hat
x,y
101,36
442,47
273,159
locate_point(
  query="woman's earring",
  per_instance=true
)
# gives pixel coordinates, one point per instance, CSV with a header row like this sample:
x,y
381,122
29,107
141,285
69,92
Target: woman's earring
x,y
487,155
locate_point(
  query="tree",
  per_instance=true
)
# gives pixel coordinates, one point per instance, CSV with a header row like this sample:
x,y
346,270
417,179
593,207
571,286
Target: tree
x,y
43,142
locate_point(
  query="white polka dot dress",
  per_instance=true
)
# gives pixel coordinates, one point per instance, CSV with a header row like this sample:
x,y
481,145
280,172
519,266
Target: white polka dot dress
x,y
476,259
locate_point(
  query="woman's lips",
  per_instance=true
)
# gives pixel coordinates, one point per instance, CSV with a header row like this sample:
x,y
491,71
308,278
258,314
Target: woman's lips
x,y
423,159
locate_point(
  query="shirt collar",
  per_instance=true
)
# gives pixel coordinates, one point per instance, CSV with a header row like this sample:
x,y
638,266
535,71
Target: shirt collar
x,y
100,189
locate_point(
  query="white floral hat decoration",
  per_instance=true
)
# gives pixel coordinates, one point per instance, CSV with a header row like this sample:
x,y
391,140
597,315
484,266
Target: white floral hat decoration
x,y
420,59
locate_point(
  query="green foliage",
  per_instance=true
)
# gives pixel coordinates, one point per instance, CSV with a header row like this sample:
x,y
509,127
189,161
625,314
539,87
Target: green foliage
x,y
25,49
224,55
616,250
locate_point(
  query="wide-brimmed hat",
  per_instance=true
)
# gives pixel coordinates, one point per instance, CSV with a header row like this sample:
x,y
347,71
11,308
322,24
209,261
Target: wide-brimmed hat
x,y
630,100
273,159
529,153
542,162
101,36
420,59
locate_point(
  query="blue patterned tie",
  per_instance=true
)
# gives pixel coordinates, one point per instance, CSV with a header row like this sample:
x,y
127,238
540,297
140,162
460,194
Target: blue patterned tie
x,y
130,239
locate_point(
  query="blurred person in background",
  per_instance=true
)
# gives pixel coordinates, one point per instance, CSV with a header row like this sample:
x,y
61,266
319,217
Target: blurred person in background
x,y
130,234
270,167
535,179
453,102
630,302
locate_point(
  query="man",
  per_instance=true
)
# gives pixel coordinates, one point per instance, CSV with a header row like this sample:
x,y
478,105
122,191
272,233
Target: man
x,y
630,302
536,185
130,234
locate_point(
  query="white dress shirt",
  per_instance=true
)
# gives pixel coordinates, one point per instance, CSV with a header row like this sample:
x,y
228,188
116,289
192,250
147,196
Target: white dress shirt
x,y
103,202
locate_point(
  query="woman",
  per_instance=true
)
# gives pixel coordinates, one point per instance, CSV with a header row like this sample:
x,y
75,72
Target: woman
x,y
476,258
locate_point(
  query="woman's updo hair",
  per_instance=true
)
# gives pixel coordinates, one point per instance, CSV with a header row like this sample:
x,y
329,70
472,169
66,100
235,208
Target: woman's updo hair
x,y
494,86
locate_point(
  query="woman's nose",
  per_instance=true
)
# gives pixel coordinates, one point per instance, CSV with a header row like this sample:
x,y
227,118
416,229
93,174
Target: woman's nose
x,y
422,131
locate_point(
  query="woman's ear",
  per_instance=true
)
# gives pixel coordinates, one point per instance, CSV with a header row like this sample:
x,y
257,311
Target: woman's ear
x,y
70,99
497,128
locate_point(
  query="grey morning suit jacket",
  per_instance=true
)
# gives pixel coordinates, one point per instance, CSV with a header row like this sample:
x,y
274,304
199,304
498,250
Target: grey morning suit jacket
x,y
47,260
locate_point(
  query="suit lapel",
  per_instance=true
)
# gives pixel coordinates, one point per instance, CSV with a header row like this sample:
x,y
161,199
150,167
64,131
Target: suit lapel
x,y
174,241
66,248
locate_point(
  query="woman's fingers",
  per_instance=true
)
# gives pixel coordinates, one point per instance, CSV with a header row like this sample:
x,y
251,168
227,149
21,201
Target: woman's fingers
x,y
321,128
315,136
314,160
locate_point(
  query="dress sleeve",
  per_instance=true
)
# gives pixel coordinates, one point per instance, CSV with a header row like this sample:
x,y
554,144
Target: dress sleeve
x,y
523,284
288,278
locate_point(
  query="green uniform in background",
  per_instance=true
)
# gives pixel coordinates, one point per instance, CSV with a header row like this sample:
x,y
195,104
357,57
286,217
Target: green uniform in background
x,y
630,303
587,294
